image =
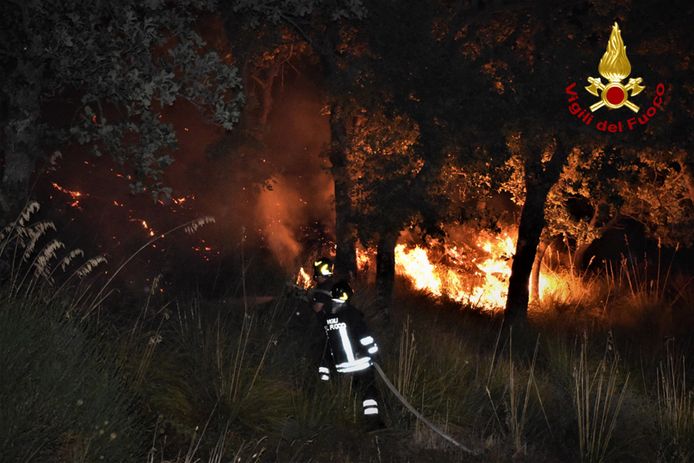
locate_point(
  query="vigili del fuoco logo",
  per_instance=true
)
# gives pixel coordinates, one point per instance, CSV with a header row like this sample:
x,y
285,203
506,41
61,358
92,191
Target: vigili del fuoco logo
x,y
613,94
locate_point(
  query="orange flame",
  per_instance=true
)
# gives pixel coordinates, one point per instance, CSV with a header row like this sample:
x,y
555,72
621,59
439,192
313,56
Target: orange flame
x,y
363,259
72,193
475,275
480,282
302,279
415,265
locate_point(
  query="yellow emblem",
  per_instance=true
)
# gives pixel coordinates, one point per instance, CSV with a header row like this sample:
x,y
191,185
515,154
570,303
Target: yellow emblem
x,y
615,67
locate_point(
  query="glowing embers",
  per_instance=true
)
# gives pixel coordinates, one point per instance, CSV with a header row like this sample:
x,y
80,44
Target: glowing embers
x,y
147,227
74,195
205,251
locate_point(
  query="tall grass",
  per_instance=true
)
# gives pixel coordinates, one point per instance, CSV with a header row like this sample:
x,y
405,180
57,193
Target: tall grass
x,y
222,381
61,395
247,451
513,395
215,357
598,399
570,290
675,408
644,293
519,400
406,373
31,257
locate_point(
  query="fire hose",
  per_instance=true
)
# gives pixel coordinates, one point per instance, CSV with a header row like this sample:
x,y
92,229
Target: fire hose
x,y
421,417
301,293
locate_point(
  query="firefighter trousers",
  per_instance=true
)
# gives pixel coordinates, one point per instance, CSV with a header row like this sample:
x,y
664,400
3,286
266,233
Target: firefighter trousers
x,y
364,385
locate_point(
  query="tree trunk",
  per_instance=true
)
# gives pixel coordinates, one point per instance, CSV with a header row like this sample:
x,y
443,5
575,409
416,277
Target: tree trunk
x,y
538,182
385,267
537,269
345,233
325,44
532,221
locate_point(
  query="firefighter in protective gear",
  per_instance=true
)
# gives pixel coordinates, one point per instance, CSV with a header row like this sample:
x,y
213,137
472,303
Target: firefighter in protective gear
x,y
350,349
323,276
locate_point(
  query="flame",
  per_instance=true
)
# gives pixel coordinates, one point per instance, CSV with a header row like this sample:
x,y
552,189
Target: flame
x,y
416,266
475,275
481,281
302,279
614,64
74,194
363,259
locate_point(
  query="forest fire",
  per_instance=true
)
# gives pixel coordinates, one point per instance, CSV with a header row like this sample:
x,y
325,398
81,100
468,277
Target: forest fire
x,y
473,274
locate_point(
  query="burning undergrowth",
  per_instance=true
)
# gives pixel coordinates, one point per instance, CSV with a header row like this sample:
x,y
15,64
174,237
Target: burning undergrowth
x,y
471,267
473,271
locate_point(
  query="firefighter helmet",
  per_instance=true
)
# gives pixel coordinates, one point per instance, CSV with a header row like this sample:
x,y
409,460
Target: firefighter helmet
x,y
322,267
341,292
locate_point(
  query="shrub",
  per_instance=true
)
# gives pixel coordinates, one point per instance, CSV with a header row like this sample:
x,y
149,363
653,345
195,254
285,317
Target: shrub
x,y
60,398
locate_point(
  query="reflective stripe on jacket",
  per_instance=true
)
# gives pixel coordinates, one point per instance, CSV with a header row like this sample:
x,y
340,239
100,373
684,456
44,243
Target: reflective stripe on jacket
x,y
349,343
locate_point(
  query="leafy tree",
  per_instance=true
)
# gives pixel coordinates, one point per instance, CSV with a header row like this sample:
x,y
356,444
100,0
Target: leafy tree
x,y
382,164
432,59
582,200
112,66
420,73
529,51
264,51
598,187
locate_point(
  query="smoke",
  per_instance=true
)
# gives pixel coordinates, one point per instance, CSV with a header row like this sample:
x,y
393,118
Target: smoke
x,y
272,183
282,218
301,193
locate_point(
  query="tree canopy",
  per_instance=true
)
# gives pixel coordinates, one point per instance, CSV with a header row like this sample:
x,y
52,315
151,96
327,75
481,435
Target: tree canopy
x,y
99,74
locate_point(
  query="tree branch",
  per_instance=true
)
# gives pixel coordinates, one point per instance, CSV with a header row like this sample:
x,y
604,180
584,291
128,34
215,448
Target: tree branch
x,y
302,33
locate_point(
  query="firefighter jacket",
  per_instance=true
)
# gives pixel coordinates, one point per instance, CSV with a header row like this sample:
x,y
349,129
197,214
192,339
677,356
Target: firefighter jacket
x,y
349,347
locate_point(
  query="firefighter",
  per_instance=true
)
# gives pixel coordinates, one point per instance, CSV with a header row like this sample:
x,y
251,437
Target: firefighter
x,y
323,276
350,349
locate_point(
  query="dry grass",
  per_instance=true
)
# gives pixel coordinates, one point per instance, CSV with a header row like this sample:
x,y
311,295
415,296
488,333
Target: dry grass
x,y
244,376
675,407
598,399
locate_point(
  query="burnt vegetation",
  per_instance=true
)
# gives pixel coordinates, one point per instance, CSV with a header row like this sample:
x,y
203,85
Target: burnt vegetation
x,y
171,169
